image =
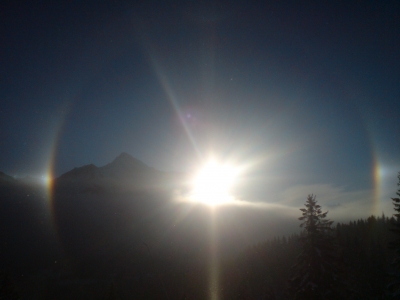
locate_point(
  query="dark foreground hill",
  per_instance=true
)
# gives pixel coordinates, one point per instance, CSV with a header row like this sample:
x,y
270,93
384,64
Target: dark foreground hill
x,y
118,223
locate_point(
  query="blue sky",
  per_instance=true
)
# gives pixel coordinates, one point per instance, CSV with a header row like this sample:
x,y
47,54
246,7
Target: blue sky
x,y
308,93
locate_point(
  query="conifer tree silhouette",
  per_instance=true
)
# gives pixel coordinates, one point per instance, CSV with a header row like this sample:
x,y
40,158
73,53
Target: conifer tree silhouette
x,y
394,286
315,273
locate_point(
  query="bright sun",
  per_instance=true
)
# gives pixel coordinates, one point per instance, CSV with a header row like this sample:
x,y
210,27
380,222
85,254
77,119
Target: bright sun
x,y
213,183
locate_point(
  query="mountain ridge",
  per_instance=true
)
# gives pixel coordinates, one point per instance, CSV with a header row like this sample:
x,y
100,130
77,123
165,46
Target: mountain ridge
x,y
123,171
124,166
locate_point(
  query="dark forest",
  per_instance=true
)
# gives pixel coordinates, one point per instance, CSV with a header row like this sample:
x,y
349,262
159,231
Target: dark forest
x,y
108,247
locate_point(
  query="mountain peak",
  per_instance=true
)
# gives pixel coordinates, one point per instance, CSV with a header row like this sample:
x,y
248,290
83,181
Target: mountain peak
x,y
126,159
125,166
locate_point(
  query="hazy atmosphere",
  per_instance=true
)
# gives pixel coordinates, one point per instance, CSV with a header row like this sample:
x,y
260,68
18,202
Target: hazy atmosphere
x,y
305,94
185,129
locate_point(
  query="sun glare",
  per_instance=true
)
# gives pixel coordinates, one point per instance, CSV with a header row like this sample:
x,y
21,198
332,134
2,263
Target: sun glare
x,y
213,183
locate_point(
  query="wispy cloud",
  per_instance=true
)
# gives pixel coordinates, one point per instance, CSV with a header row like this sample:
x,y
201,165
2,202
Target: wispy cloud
x,y
342,204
